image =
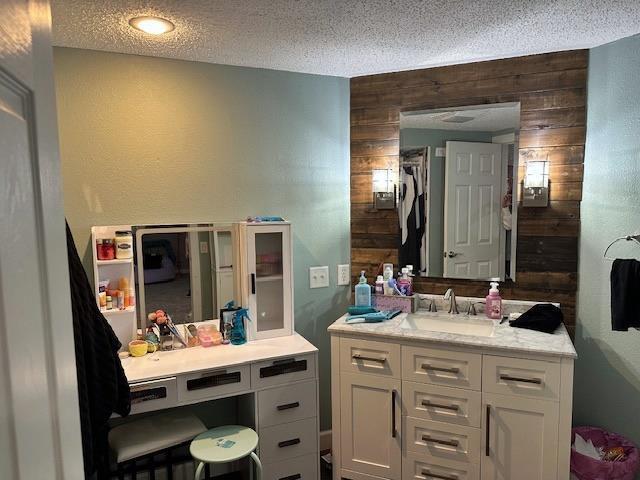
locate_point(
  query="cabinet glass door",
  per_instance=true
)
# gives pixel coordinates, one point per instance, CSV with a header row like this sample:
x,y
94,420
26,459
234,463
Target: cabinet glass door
x,y
270,281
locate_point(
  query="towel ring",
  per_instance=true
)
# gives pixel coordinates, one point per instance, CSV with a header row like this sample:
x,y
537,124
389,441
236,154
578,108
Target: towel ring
x,y
628,238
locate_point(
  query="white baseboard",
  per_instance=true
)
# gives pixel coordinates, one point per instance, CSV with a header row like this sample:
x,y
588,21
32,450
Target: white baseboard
x,y
325,440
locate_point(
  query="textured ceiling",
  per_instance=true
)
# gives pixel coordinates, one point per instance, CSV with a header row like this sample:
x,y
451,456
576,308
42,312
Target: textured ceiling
x,y
345,37
500,117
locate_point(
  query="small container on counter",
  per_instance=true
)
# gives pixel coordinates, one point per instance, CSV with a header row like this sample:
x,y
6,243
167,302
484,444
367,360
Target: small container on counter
x,y
109,303
124,244
105,249
209,335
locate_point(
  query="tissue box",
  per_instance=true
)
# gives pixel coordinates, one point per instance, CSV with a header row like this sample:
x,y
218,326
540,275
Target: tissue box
x,y
395,302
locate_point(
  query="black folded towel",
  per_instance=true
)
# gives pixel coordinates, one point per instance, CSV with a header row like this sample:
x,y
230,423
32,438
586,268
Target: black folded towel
x,y
625,294
543,317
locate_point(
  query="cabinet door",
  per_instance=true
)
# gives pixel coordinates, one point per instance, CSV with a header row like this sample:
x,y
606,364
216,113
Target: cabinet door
x,y
520,438
270,285
370,425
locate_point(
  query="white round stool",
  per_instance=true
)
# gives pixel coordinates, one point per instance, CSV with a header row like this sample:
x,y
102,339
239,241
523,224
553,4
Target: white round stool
x,y
225,444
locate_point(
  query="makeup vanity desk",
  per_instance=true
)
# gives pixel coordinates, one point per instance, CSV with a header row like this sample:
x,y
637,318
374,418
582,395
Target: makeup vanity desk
x,y
275,380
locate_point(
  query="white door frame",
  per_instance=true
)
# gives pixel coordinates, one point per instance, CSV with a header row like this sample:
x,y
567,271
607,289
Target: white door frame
x,y
41,434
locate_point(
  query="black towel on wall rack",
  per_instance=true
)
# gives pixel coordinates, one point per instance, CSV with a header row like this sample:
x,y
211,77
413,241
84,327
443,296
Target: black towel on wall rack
x,y
625,294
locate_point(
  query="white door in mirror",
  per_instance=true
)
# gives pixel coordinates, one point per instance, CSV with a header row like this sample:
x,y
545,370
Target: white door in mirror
x,y
473,189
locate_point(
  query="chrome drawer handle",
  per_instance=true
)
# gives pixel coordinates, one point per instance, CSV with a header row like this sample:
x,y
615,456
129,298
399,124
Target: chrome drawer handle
x,y
509,378
288,406
357,356
427,403
440,369
448,443
427,473
289,443
297,476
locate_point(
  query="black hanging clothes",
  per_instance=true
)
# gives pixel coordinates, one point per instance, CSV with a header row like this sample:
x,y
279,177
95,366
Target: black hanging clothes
x,y
411,213
102,385
625,294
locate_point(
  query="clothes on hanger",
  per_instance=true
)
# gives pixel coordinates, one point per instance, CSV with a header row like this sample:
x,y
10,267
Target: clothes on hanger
x,y
102,385
412,216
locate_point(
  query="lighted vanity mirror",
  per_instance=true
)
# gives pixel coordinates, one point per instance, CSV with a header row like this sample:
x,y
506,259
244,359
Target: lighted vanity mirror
x,y
458,191
186,270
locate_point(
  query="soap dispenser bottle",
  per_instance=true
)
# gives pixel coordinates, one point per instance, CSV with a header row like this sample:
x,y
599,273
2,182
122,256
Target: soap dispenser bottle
x,y
493,304
363,292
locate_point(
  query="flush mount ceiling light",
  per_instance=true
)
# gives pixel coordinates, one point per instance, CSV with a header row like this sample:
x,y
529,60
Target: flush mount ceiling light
x,y
152,25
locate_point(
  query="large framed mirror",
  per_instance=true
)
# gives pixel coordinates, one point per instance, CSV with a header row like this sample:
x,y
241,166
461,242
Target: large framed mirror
x,y
186,270
458,183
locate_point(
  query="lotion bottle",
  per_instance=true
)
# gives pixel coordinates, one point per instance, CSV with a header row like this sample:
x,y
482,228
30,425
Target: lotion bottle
x,y
493,305
362,292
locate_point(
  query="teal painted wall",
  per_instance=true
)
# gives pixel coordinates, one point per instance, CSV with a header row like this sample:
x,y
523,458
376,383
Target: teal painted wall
x,y
607,377
151,140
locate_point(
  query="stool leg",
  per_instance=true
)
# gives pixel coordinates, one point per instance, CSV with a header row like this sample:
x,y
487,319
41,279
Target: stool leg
x,y
258,465
199,471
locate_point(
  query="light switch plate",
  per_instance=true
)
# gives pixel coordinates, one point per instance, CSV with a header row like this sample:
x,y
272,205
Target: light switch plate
x,y
440,152
318,277
204,247
344,274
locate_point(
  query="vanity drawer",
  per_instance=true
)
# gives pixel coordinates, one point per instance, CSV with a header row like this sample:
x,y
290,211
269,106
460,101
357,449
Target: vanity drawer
x,y
517,376
283,370
367,356
437,366
213,383
287,404
421,467
289,440
442,404
153,395
437,440
300,468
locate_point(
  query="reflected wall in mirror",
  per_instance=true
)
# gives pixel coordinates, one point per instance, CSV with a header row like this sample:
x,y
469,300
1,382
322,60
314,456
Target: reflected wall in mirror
x,y
458,191
185,270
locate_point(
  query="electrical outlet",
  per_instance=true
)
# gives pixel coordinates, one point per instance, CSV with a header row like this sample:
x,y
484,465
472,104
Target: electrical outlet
x,y
344,274
318,277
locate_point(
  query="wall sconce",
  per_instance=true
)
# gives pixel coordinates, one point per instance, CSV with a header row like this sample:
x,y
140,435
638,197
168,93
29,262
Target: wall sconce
x,y
536,184
384,189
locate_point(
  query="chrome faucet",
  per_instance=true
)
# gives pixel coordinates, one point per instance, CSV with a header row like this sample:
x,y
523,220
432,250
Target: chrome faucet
x,y
451,296
471,310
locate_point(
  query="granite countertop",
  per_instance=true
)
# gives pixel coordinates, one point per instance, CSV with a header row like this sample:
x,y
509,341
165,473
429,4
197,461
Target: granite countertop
x,y
505,338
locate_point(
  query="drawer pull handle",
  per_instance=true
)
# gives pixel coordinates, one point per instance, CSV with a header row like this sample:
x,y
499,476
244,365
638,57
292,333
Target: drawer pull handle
x,y
441,369
357,356
427,473
296,476
448,443
288,406
487,448
427,403
215,380
393,413
289,443
509,378
283,367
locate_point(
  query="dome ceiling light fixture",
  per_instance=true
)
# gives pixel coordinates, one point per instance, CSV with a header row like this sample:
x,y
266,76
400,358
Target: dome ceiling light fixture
x,y
152,25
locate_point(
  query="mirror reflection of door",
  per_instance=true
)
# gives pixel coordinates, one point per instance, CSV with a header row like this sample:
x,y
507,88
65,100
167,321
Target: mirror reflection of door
x,y
462,223
473,186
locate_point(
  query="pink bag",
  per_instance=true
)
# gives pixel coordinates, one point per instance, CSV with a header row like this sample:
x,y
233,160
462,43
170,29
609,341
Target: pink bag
x,y
586,468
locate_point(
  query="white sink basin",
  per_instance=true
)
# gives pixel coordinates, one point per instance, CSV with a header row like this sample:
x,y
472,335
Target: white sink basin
x,y
446,323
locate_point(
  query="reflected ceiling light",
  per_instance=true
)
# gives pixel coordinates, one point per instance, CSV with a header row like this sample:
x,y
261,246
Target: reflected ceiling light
x,y
152,25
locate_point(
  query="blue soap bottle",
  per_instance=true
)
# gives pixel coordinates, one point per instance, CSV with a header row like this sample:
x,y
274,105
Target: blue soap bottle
x,y
363,292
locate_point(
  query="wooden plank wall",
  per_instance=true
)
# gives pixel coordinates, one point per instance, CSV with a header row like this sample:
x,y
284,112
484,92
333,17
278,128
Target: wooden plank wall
x,y
551,91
